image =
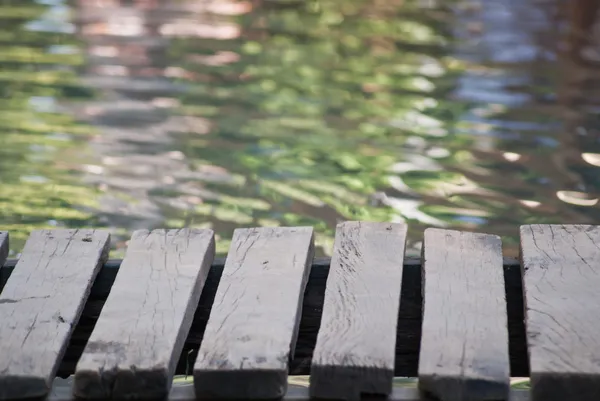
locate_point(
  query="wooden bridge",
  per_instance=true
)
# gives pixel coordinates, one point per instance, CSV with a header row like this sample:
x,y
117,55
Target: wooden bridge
x,y
463,320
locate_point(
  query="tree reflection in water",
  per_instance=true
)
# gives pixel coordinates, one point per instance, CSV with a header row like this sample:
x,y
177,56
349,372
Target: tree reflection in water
x,y
222,114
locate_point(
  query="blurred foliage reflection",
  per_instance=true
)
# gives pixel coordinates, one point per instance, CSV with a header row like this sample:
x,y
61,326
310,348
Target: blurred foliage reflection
x,y
133,114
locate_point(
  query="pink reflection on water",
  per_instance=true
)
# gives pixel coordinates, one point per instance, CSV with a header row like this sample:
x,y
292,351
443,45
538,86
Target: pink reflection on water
x,y
208,31
219,58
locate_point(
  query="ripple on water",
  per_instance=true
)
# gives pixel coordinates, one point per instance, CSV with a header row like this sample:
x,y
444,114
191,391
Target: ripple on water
x,y
143,114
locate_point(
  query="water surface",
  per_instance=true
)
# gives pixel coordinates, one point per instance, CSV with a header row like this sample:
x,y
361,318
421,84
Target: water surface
x,y
130,114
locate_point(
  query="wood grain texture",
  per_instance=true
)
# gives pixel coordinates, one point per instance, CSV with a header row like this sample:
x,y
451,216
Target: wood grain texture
x,y
252,329
561,283
355,348
41,304
464,343
137,341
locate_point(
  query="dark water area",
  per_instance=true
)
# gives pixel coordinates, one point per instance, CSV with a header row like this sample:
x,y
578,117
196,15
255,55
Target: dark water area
x,y
140,114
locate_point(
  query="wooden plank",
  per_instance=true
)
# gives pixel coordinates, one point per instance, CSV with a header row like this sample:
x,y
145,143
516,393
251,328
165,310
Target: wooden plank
x,y
253,324
62,391
355,348
41,304
135,346
561,280
464,343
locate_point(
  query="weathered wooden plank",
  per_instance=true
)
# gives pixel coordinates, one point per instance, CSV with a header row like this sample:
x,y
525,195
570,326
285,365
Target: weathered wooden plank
x,y
561,279
253,324
137,341
464,343
355,348
41,304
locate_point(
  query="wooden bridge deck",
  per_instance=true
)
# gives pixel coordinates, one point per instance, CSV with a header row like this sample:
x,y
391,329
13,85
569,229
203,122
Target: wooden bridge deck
x,y
242,327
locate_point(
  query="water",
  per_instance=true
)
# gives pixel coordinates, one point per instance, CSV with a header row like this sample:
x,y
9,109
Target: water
x,y
130,114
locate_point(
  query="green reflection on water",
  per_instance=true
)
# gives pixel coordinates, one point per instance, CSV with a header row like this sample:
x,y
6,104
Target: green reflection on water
x,y
143,114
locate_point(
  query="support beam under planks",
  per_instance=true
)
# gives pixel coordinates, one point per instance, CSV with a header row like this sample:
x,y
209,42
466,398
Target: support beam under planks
x,y
297,390
464,342
3,255
41,304
137,341
3,247
253,325
561,283
355,347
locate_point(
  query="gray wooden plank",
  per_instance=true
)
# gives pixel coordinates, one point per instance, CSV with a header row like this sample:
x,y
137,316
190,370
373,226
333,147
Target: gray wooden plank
x,y
355,348
561,279
139,336
41,304
464,342
62,391
253,324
